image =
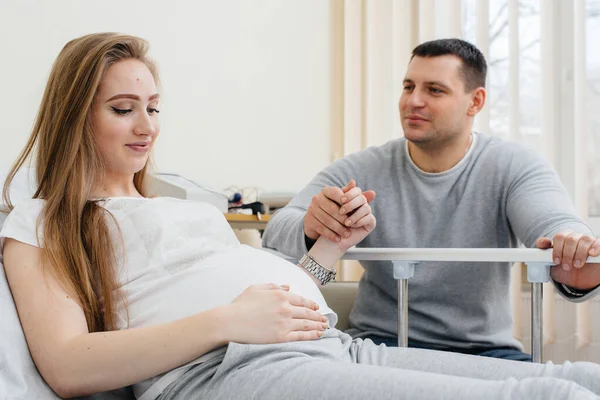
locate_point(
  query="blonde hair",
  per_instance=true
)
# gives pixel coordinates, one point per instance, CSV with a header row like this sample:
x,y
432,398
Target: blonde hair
x,y
77,245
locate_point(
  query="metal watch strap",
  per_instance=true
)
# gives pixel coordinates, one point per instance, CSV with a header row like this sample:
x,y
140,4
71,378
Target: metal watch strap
x,y
322,274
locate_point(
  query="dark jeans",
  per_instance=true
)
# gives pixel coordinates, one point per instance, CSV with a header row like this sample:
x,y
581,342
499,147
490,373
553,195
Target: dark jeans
x,y
506,353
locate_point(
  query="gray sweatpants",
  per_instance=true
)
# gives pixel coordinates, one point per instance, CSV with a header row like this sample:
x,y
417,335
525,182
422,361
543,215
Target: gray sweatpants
x,y
338,367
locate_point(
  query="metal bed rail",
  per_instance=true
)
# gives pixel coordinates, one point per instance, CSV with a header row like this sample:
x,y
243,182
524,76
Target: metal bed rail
x,y
404,260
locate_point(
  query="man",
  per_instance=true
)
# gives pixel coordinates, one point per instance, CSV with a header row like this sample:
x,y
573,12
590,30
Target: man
x,y
443,185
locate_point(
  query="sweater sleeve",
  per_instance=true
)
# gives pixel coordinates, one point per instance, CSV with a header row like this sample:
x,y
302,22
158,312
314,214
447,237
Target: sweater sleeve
x,y
539,206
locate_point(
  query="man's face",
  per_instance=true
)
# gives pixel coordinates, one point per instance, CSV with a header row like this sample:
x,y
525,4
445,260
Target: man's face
x,y
434,106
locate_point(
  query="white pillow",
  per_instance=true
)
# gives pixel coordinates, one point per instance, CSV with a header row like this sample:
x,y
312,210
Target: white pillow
x,y
19,377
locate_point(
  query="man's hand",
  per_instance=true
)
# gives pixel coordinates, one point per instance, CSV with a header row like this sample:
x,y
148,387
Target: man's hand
x,y
570,252
334,211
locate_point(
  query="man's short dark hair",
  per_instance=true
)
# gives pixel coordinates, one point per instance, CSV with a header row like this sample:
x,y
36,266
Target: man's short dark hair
x,y
474,67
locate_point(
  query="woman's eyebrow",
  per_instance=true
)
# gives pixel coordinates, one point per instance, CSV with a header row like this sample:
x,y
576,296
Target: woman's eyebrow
x,y
131,96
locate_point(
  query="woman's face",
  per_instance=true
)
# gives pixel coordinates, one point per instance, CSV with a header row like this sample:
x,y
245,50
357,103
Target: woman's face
x,y
125,117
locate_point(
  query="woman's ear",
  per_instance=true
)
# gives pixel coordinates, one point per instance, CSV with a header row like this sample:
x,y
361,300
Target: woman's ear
x,y
477,101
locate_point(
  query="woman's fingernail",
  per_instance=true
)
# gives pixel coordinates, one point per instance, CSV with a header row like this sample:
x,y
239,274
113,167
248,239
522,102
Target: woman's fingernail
x,y
348,222
342,211
566,267
343,200
337,239
324,319
577,264
347,234
320,333
557,261
324,326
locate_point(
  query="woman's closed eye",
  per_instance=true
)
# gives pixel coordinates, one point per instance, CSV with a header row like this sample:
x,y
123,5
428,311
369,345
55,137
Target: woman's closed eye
x,y
125,111
121,111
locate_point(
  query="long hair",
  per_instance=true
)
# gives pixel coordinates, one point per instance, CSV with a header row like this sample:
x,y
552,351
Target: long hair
x,y
76,242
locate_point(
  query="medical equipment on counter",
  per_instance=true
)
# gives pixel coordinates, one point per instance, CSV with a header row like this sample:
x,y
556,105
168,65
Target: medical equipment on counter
x,y
275,200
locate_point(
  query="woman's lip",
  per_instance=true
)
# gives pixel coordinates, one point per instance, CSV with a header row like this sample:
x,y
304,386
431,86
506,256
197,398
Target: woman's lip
x,y
142,147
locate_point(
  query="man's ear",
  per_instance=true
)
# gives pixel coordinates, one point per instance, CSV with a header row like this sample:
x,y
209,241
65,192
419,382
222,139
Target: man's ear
x,y
477,101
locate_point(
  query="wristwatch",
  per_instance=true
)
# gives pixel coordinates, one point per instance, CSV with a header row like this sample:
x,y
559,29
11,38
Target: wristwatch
x,y
322,274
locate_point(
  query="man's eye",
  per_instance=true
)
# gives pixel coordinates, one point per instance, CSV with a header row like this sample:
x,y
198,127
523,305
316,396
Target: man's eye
x,y
153,110
436,91
122,111
408,88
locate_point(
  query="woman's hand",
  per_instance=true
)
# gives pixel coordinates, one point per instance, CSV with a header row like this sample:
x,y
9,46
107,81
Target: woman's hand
x,y
269,313
360,220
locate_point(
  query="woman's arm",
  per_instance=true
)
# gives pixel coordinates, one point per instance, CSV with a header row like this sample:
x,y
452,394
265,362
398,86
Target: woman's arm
x,y
75,362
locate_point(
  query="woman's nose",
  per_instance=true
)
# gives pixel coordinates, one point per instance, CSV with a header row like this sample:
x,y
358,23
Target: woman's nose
x,y
146,125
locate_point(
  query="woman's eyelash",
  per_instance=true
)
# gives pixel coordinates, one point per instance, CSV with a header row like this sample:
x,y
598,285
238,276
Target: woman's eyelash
x,y
121,111
124,111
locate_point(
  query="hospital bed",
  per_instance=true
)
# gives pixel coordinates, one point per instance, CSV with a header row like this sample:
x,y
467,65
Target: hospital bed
x,y
20,379
339,295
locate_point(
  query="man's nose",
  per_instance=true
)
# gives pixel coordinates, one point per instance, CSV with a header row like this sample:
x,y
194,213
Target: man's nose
x,y
415,99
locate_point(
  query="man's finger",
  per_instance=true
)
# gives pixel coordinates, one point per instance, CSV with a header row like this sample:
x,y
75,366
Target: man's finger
x,y
333,193
322,230
558,244
543,243
331,208
331,223
322,227
569,249
370,195
582,251
595,250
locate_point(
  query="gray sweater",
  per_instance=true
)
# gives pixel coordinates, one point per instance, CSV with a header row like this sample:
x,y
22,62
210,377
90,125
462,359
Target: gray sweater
x,y
499,195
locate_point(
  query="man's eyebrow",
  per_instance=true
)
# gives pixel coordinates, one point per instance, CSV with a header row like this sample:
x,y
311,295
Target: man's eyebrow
x,y
437,83
131,96
429,83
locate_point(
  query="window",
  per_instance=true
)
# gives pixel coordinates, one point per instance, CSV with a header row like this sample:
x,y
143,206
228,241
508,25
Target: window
x,y
526,124
593,107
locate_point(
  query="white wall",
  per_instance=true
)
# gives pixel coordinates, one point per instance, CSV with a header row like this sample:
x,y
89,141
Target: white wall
x,y
246,85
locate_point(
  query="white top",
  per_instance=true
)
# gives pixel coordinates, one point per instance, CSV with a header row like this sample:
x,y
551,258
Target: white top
x,y
181,257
